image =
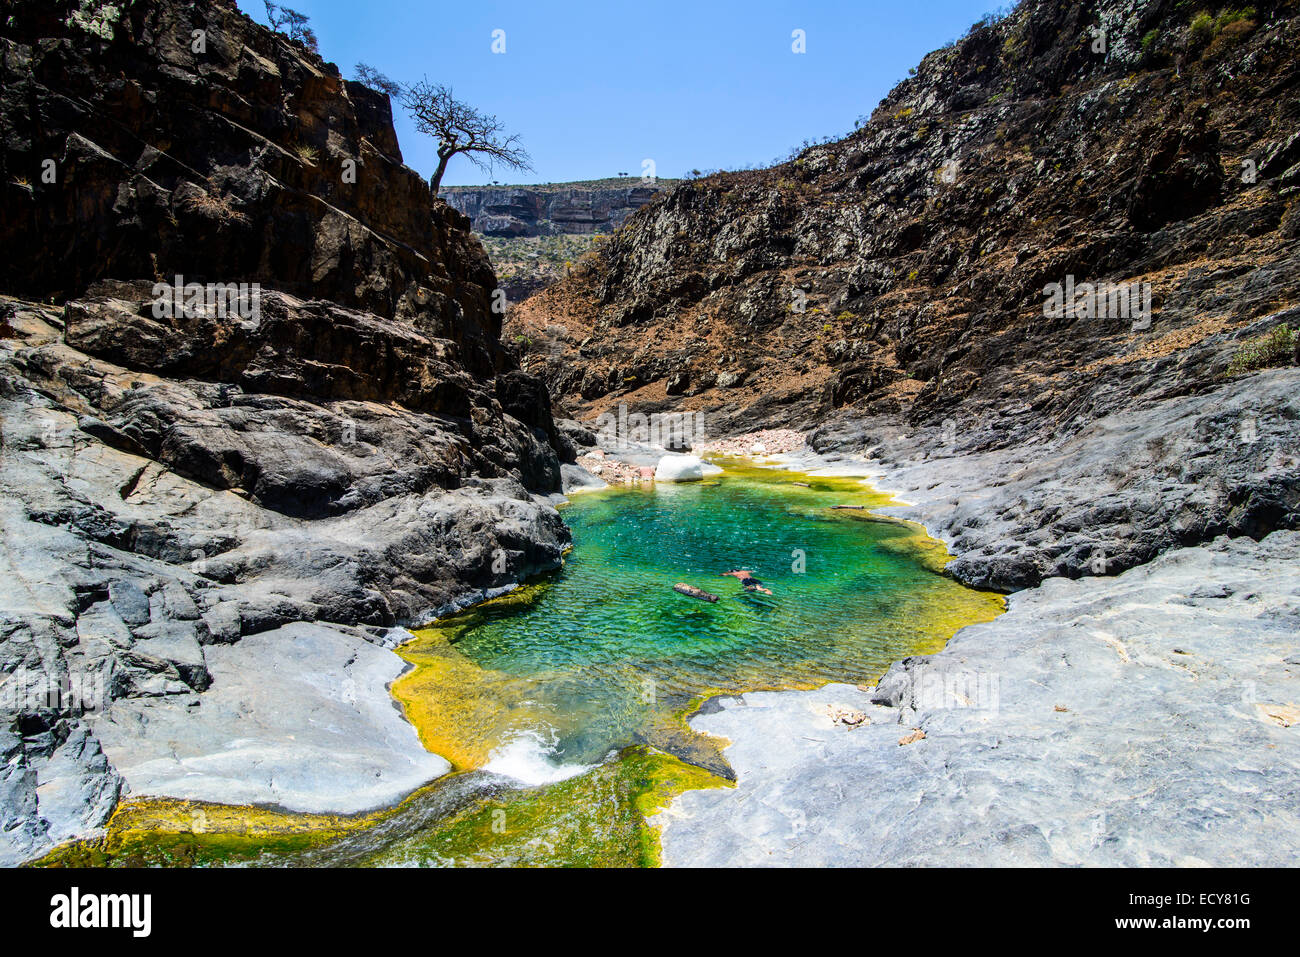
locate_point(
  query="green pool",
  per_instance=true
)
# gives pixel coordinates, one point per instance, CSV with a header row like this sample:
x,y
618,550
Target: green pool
x,y
563,705
604,654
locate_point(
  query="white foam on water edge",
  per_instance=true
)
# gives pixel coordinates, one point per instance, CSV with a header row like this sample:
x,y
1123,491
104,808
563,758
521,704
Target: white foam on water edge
x,y
526,757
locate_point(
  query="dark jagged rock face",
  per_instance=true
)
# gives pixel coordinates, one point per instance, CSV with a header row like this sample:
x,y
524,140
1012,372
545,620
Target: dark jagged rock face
x,y
234,163
352,446
901,270
183,139
520,211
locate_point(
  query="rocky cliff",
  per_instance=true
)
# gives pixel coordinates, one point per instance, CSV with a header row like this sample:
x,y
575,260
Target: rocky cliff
x,y
343,440
902,267
890,290
599,206
535,234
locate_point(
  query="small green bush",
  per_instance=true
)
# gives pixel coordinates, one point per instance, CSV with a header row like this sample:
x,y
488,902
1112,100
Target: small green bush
x,y
1275,349
1228,16
1231,35
1205,27
1202,27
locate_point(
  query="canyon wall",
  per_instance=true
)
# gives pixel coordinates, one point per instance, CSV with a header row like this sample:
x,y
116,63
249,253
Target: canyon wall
x,y
343,443
582,208
901,269
892,293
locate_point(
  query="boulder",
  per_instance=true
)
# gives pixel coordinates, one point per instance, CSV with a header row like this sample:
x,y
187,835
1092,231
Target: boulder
x,y
577,479
679,468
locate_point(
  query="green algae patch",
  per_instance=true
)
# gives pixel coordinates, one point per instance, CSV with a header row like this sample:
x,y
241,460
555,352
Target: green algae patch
x,y
597,819
175,833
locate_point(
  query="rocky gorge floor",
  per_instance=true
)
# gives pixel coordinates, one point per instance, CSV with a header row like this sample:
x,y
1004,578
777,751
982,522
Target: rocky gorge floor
x,y
214,529
1188,653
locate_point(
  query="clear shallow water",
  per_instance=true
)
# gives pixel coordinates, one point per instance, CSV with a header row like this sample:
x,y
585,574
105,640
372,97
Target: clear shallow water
x,y
543,684
604,654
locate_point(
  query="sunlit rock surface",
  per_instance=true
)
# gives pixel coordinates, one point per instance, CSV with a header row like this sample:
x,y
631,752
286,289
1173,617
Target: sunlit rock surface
x,y
298,717
1147,719
679,468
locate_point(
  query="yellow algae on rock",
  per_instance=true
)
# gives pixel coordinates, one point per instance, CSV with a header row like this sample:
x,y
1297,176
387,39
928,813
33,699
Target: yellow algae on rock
x,y
461,711
163,832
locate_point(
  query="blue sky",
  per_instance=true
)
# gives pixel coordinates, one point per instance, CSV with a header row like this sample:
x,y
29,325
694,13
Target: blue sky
x,y
595,88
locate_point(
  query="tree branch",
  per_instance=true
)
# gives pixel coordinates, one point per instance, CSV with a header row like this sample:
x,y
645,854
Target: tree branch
x,y
460,129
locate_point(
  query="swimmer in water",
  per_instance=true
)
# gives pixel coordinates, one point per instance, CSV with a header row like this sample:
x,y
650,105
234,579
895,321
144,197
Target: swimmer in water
x,y
748,581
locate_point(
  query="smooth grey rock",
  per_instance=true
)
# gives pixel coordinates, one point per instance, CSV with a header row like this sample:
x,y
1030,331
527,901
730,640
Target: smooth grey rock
x,y
130,602
175,602
171,647
220,624
53,793
76,787
299,717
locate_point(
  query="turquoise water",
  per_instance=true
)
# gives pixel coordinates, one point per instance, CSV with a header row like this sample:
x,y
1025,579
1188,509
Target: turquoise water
x,y
605,654
575,687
